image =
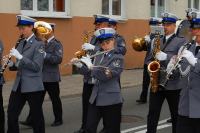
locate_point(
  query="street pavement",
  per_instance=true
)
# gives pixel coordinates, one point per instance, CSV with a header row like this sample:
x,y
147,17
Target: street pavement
x,y
134,115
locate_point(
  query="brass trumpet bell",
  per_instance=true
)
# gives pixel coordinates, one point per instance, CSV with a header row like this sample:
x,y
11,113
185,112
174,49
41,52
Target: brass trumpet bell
x,y
43,28
139,44
80,53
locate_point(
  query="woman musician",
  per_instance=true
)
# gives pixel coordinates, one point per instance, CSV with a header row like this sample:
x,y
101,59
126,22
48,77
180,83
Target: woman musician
x,y
106,98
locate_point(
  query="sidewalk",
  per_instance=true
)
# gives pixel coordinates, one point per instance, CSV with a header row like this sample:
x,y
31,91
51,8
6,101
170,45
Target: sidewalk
x,y
72,85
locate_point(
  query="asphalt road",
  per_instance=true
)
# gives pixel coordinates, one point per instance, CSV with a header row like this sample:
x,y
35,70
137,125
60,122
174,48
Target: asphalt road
x,y
133,119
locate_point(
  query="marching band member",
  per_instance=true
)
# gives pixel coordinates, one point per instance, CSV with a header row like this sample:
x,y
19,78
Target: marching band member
x,y
121,43
189,104
2,115
100,22
106,99
170,45
183,29
120,46
51,75
28,85
147,60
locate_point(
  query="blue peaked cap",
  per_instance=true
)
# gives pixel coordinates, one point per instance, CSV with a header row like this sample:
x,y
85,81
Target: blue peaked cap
x,y
104,33
100,19
169,18
25,20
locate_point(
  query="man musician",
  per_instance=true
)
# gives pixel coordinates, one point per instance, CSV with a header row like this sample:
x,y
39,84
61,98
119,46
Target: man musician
x,y
169,46
53,53
189,104
148,58
28,84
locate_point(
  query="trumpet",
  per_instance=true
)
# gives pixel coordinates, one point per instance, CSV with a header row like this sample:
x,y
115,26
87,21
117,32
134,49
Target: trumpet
x,y
82,52
6,59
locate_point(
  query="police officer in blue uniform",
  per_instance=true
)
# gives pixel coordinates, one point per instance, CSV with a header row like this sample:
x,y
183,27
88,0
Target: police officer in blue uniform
x,y
28,84
121,43
51,76
189,104
120,46
2,117
170,45
99,22
106,99
183,29
147,60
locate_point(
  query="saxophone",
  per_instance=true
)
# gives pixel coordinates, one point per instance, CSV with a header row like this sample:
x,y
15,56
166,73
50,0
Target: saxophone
x,y
154,66
82,52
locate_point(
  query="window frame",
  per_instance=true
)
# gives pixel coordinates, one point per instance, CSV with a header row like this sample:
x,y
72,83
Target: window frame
x,y
156,8
121,17
192,4
50,13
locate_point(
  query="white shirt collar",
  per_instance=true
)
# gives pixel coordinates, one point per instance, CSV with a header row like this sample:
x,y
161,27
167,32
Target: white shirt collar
x,y
29,37
50,39
168,36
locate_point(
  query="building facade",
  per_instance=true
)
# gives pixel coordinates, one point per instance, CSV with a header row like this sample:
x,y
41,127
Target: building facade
x,y
73,17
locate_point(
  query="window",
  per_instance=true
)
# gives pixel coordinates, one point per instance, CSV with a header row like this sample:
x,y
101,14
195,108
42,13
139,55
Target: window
x,y
45,8
113,7
157,7
193,4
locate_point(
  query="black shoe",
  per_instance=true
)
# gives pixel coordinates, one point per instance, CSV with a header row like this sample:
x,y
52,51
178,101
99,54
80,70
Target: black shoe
x,y
56,123
103,130
141,101
25,123
169,120
80,131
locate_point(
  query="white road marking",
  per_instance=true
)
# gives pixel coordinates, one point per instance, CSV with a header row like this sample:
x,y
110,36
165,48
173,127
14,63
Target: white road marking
x,y
141,127
158,128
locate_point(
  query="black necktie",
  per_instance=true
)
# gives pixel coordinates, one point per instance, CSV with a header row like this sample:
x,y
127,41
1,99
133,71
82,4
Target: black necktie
x,y
197,50
24,44
164,39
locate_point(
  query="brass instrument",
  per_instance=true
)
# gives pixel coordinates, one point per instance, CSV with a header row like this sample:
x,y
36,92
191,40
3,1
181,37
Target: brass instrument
x,y
82,52
139,44
6,59
154,66
42,30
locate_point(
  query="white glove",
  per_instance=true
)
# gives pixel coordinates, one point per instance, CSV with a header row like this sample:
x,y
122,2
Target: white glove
x,y
76,62
88,46
190,57
14,52
147,38
87,61
171,63
161,56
